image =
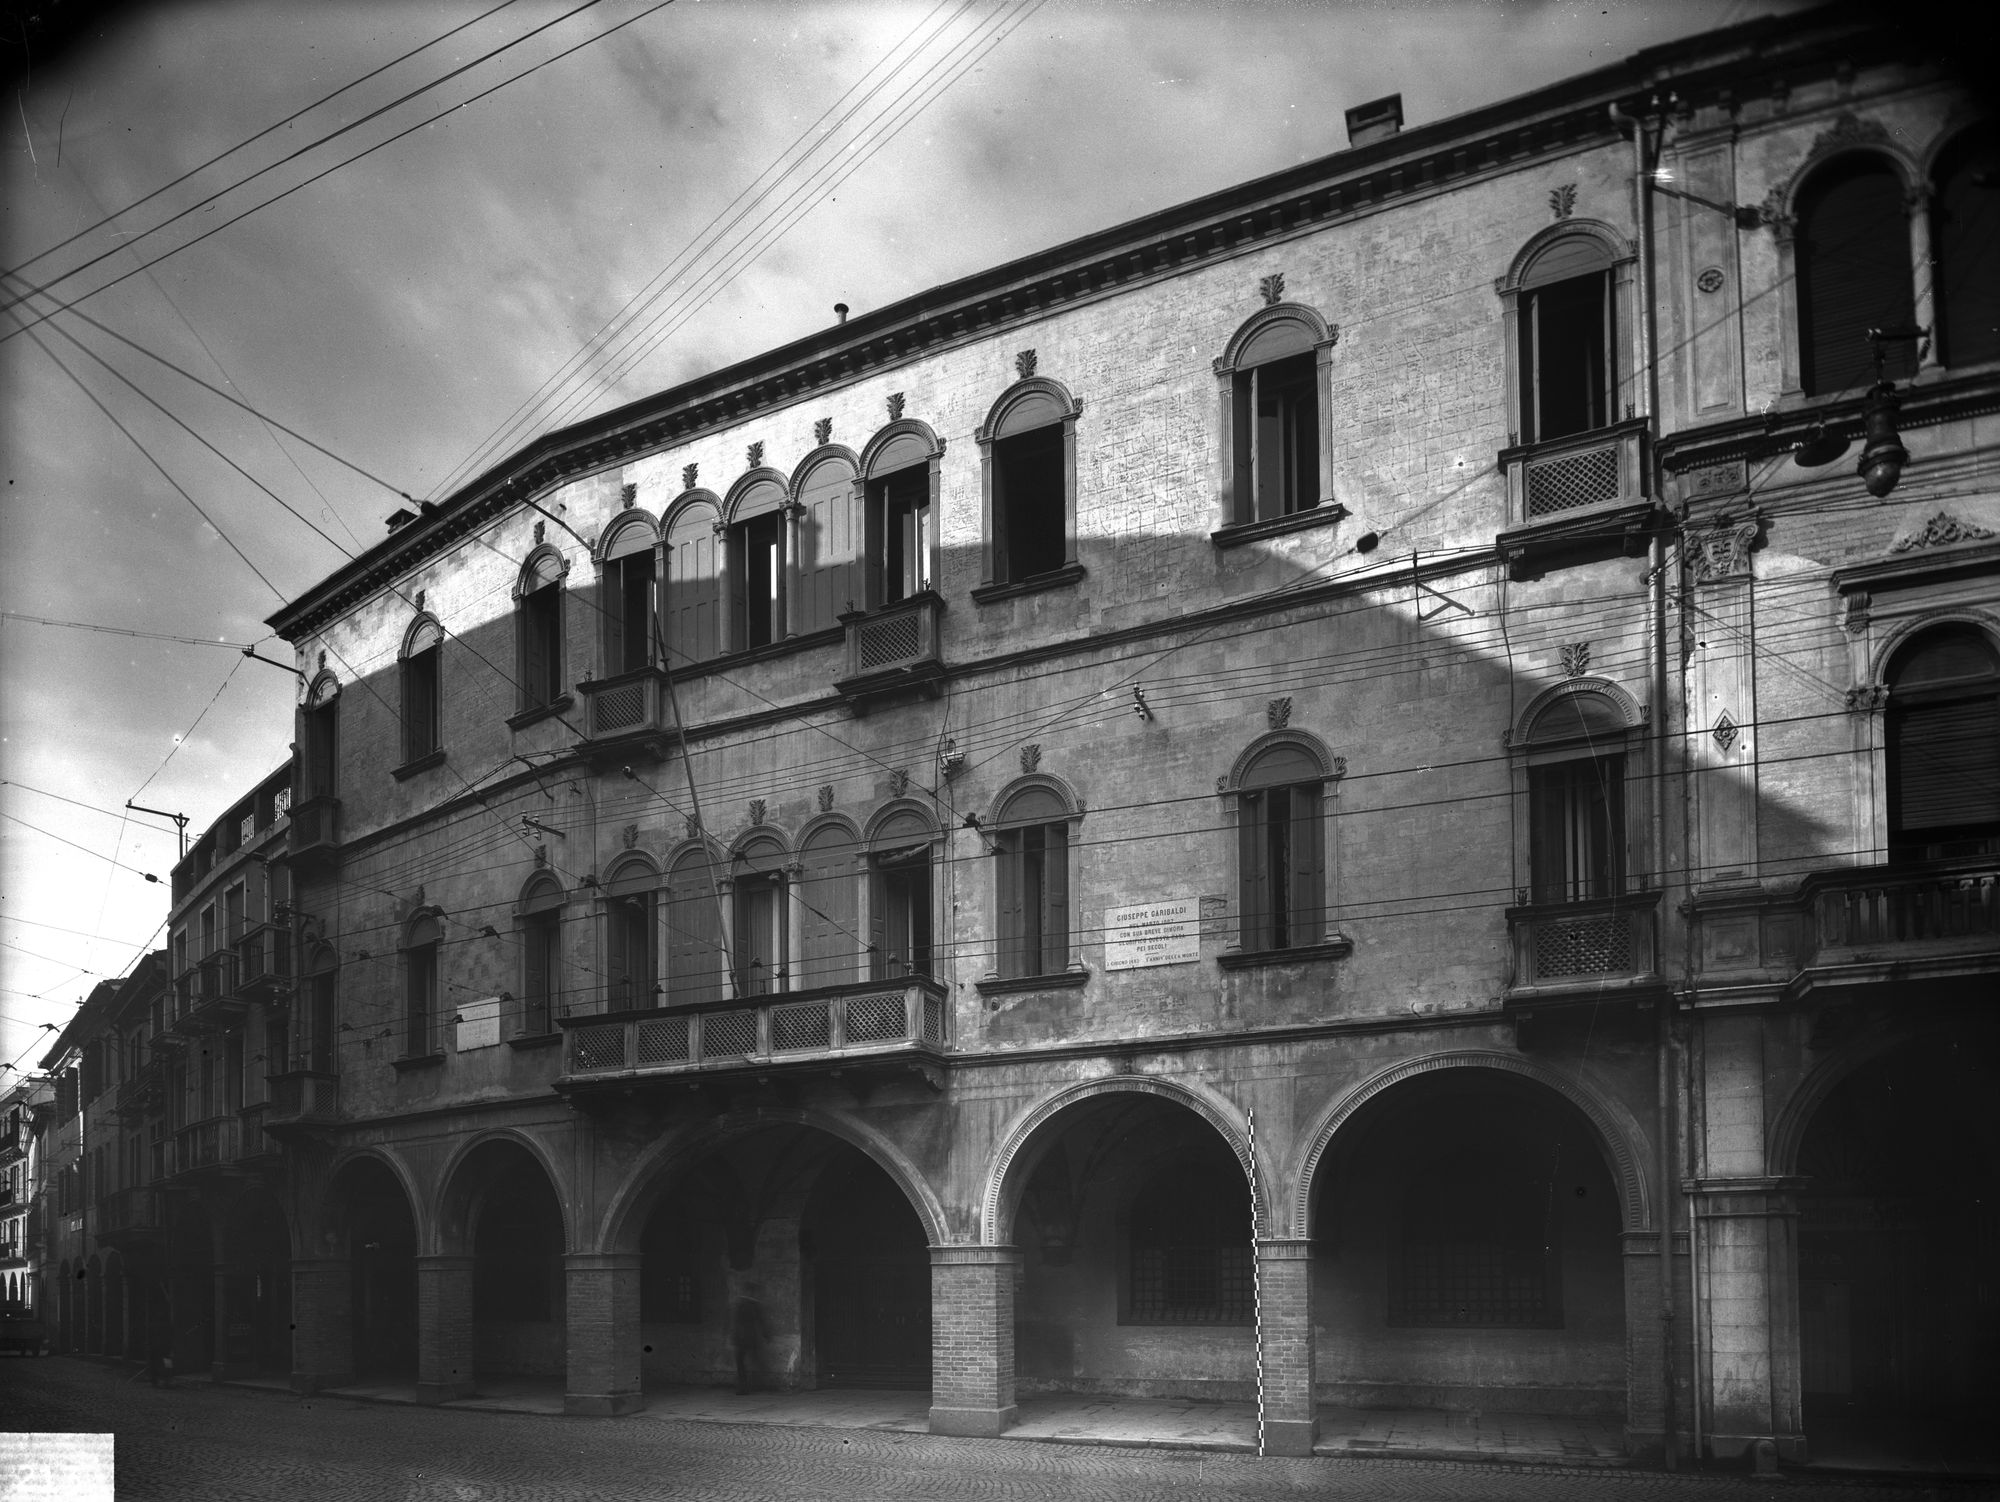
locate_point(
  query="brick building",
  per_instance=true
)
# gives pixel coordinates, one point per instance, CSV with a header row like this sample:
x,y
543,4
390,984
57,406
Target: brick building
x,y
1301,796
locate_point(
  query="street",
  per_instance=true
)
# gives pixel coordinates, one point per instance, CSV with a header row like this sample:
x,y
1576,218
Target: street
x,y
212,1443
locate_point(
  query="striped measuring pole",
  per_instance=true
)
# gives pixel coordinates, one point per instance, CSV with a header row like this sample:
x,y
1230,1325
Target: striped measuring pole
x,y
1256,1281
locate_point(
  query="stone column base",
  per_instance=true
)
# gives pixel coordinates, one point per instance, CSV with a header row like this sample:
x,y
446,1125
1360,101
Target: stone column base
x,y
602,1405
1290,1436
975,1423
442,1392
1791,1447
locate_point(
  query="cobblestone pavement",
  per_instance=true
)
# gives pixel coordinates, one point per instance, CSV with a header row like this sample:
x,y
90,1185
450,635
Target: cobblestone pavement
x,y
220,1444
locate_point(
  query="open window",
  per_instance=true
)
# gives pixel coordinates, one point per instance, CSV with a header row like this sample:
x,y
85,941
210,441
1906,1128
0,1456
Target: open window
x,y
1965,241
1575,747
538,634
1944,745
1281,849
757,572
540,922
761,917
901,853
423,691
1852,251
628,599
899,505
1567,340
420,986
631,935
1274,391
1028,474
1031,846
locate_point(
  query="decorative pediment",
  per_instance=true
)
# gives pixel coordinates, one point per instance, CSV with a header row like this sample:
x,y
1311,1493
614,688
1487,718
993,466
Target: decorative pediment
x,y
1943,530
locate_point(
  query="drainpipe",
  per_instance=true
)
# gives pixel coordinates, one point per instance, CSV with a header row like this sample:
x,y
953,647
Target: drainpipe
x,y
1648,392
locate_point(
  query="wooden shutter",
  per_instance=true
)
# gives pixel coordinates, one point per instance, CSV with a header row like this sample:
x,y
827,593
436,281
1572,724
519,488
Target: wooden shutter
x,y
829,892
826,545
1966,242
1243,454
1947,764
1854,275
1254,867
694,935
1308,883
1011,930
1548,821
1055,899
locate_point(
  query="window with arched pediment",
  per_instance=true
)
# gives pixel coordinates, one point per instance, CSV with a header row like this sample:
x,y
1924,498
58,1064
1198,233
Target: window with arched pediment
x,y
538,630
319,739
696,956
628,596
829,546
757,566
422,690
902,852
899,501
760,892
1031,831
1027,463
830,897
1281,847
1567,339
423,936
1275,384
539,918
1575,747
1943,726
692,602
1852,258
1965,243
631,934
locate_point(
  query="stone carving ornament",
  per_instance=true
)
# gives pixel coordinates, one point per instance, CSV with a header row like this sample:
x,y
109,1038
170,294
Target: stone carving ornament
x,y
1723,550
1941,531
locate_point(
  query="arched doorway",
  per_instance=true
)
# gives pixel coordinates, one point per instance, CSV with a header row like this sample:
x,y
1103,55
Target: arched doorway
x,y
381,1232
1467,1254
501,1202
1133,1216
784,1257
258,1287
1899,1319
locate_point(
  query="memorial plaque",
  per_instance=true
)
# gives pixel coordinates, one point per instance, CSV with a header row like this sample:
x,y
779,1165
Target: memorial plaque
x,y
1153,933
479,1023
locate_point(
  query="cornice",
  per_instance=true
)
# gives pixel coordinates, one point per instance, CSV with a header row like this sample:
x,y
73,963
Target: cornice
x,y
1442,156
1925,403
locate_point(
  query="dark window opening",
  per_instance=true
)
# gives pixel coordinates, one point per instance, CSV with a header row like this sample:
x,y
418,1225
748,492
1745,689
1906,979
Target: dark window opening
x,y
321,743
517,1259
1566,369
1029,504
1283,867
541,984
1853,252
1478,1247
420,990
670,1273
1191,1260
1034,899
903,913
1944,747
631,950
760,935
628,617
1965,239
541,646
757,564
422,708
321,1024
1576,812
1277,437
899,534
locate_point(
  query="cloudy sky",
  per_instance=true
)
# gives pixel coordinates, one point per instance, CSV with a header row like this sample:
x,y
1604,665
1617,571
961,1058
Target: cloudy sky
x,y
703,178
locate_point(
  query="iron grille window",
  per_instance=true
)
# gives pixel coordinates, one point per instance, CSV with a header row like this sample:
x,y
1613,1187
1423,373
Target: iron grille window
x,y
1191,1260
1478,1248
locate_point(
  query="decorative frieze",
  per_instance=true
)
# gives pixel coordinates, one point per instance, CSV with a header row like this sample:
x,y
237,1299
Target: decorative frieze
x,y
1867,698
1941,531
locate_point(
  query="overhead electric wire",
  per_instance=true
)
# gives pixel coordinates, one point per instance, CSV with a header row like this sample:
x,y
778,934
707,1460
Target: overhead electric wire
x,y
191,641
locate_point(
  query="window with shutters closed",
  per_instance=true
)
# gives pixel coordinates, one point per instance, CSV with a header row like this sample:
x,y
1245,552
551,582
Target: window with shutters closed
x,y
541,954
695,967
628,600
1853,255
631,935
420,987
1965,240
1281,858
1031,846
1944,746
829,894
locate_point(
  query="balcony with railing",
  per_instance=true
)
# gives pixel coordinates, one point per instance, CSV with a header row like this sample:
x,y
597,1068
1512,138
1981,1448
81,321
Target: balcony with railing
x,y
1585,951
627,714
315,833
207,996
1856,928
218,1144
13,1142
1584,495
303,1101
264,961
893,1026
893,649
129,1212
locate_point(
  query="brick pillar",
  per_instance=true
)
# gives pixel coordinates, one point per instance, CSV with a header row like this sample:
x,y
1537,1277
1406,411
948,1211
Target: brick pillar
x,y
444,1328
322,1323
1285,1331
972,1339
602,1309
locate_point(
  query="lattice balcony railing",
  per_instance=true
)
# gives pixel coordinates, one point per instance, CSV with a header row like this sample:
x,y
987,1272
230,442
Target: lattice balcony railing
x,y
1546,481
1584,943
892,637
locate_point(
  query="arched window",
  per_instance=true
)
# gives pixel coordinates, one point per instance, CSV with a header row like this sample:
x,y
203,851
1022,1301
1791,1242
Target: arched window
x,y
1031,840
694,590
1576,798
319,739
1568,339
1965,242
628,597
1027,467
1274,387
1188,1236
1281,849
1853,250
423,691
538,639
695,966
823,486
757,588
541,954
322,1003
631,935
762,917
1944,745
420,986
901,851
829,893
899,501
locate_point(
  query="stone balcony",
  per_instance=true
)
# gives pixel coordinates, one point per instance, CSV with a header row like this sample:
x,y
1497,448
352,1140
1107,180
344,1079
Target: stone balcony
x,y
892,651
866,1028
1852,932
315,834
1575,498
303,1102
1572,953
630,714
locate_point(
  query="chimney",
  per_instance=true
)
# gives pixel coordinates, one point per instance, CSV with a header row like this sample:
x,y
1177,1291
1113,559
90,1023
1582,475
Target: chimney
x,y
400,518
840,311
1377,120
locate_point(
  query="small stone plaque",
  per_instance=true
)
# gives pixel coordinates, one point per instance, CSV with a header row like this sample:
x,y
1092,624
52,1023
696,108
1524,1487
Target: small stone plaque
x,y
479,1024
1153,933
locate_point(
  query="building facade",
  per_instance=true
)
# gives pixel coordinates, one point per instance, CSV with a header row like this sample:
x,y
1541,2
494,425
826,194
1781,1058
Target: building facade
x,y
1340,794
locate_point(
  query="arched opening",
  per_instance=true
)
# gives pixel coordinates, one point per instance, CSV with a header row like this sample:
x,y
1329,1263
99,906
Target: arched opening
x,y
381,1230
257,1276
515,1231
784,1259
1853,249
1944,745
1965,244
1133,1218
1467,1256
1899,1320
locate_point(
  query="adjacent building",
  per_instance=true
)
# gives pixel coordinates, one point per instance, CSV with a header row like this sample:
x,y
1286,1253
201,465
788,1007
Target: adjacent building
x,y
1342,793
